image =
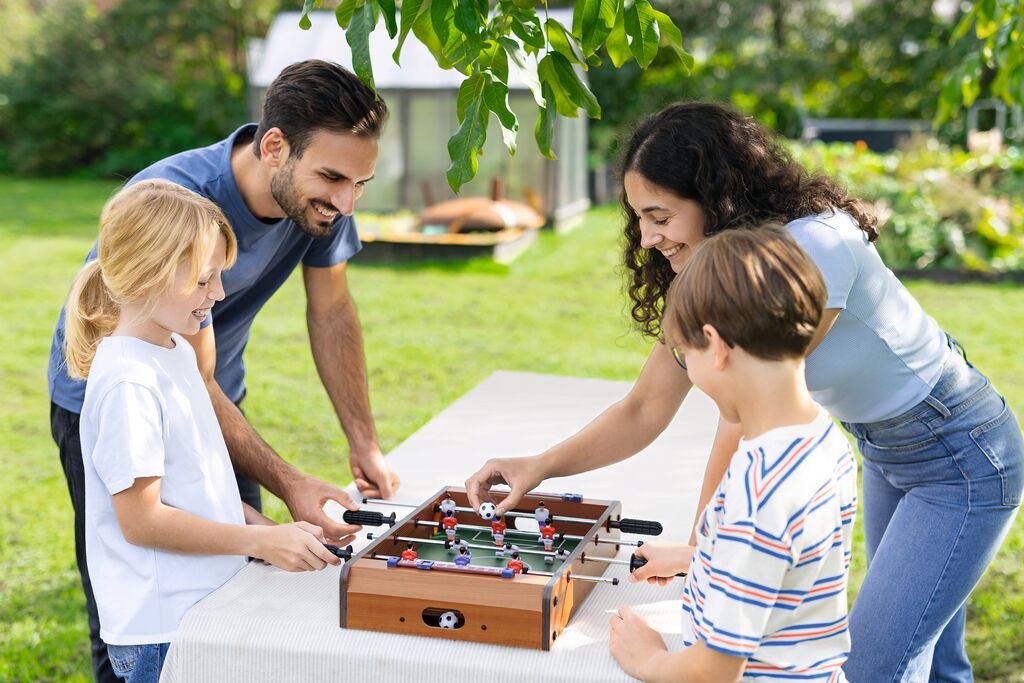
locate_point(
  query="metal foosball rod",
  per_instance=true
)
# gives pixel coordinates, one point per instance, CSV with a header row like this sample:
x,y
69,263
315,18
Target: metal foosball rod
x,y
629,526
478,546
577,577
532,534
633,562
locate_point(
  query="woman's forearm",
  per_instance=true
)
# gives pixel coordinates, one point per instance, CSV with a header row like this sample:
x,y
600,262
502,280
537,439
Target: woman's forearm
x,y
727,439
626,427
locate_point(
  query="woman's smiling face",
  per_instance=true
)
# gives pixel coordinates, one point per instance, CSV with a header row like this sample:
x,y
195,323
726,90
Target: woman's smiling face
x,y
668,223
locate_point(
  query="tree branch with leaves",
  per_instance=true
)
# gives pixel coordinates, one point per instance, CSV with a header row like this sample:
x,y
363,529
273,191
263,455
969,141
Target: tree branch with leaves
x,y
485,43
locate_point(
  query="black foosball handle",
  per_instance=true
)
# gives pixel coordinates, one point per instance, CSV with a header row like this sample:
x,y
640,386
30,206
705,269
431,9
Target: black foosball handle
x,y
365,518
637,526
344,553
637,562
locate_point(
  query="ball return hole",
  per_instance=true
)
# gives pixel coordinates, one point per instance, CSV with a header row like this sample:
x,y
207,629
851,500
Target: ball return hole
x,y
439,617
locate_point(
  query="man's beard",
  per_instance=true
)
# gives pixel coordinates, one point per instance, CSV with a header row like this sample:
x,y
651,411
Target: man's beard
x,y
282,189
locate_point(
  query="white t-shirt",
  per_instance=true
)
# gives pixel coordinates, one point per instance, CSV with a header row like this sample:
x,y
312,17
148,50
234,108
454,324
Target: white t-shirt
x,y
768,581
147,414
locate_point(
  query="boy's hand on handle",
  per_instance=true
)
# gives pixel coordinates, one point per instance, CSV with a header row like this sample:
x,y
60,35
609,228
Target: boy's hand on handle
x,y
306,497
521,474
664,561
296,547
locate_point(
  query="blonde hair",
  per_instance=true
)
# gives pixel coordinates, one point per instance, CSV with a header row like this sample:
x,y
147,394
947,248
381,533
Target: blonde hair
x,y
146,231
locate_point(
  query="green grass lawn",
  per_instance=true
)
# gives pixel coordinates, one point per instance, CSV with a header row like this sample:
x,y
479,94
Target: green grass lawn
x,y
432,333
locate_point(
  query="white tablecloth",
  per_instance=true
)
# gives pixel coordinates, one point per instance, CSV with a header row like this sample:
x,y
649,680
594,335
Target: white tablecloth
x,y
270,625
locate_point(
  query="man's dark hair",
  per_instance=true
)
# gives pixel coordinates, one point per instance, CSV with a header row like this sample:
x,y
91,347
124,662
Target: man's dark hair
x,y
317,95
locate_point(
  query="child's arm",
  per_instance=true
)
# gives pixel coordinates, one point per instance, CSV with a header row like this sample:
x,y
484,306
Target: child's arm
x,y
641,653
254,516
664,561
146,521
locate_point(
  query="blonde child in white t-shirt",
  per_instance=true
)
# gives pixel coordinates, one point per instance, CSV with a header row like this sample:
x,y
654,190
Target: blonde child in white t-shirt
x,y
165,525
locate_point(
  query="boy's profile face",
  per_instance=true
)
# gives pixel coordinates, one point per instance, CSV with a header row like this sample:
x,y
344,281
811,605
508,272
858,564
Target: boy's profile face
x,y
708,367
326,180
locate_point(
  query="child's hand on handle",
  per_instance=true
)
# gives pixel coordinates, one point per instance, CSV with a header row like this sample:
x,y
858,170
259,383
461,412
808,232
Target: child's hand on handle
x,y
664,561
296,547
521,474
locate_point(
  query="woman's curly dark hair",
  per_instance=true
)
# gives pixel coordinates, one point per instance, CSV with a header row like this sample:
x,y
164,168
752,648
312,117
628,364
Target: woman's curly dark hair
x,y
735,169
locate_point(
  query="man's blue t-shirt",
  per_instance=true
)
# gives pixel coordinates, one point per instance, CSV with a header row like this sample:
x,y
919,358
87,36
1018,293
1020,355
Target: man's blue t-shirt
x,y
267,255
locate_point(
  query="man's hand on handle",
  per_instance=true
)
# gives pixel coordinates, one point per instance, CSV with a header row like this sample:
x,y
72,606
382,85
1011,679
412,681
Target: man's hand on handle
x,y
306,497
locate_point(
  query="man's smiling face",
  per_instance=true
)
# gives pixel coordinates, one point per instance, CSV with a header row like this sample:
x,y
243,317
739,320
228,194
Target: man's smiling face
x,y
325,180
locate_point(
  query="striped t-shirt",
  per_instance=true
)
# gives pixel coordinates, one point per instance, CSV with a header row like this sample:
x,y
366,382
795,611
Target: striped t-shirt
x,y
768,581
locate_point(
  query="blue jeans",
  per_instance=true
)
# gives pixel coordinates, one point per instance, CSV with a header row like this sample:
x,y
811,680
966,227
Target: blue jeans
x,y
941,485
138,663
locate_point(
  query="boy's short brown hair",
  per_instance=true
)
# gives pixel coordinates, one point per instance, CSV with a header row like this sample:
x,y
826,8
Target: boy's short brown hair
x,y
756,286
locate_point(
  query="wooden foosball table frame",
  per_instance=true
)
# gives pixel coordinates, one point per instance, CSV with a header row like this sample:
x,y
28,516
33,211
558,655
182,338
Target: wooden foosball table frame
x,y
525,610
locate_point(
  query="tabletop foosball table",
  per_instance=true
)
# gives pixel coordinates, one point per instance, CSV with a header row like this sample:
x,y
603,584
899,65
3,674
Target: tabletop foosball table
x,y
450,571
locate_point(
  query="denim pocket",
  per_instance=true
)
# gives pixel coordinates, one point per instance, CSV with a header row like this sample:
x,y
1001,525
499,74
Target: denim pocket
x,y
123,658
1001,441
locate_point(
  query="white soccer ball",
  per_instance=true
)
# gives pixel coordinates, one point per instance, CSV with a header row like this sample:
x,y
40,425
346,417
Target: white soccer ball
x,y
488,510
448,620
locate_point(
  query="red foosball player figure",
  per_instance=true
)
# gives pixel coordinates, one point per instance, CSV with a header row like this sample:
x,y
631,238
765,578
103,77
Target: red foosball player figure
x,y
547,536
409,554
515,564
498,531
450,524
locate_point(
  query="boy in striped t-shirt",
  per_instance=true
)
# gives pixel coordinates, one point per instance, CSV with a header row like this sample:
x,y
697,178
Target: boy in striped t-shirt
x,y
765,598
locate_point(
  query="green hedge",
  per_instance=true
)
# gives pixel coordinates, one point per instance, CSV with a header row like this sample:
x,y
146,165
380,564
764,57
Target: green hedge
x,y
943,208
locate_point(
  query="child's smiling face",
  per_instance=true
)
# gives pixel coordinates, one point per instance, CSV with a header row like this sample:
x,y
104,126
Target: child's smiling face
x,y
669,224
184,308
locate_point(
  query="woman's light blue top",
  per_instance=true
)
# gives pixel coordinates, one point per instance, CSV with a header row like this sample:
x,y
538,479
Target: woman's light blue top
x,y
884,353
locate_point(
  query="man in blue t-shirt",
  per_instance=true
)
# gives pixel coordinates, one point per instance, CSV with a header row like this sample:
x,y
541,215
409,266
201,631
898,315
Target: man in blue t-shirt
x,y
288,186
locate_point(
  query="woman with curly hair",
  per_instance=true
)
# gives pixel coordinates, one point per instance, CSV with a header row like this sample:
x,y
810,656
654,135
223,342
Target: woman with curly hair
x,y
942,455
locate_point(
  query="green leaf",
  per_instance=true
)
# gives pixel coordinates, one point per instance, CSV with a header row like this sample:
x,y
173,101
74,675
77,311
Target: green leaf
x,y
596,19
466,18
387,8
358,38
464,147
494,59
544,131
307,7
442,16
411,12
525,67
570,92
562,42
617,43
343,12
964,25
970,79
529,32
471,89
496,98
642,28
423,29
670,36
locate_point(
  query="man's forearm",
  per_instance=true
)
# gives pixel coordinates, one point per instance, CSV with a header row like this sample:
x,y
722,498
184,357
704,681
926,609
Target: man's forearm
x,y
336,340
249,453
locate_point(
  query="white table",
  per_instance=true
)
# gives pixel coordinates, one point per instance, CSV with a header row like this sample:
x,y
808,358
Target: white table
x,y
270,625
